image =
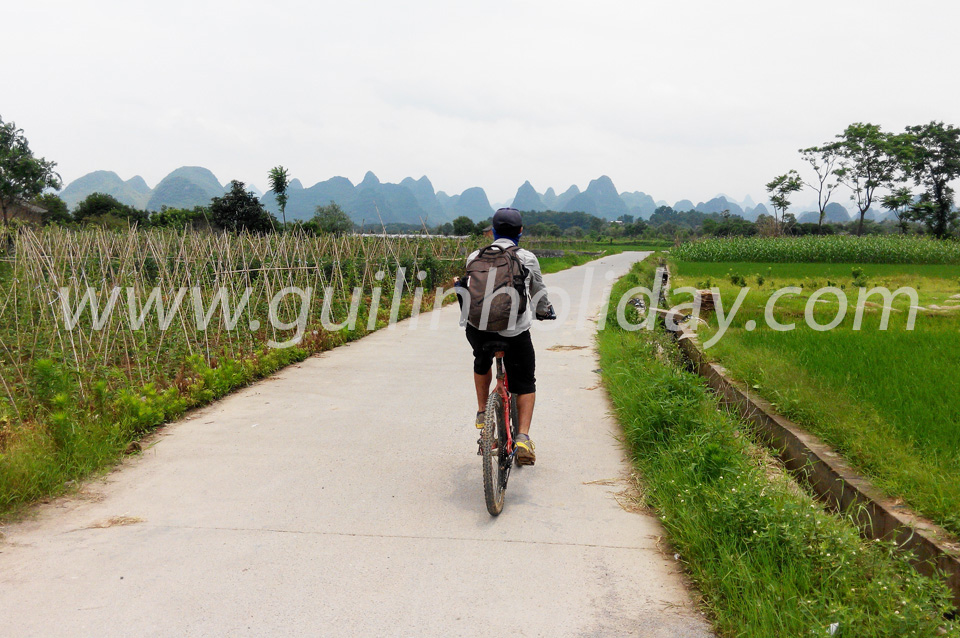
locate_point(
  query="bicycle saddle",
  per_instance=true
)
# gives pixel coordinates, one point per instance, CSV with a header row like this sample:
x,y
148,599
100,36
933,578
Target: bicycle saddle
x,y
496,346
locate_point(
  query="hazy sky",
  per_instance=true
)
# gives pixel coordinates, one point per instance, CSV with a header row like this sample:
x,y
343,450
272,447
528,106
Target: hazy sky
x,y
680,100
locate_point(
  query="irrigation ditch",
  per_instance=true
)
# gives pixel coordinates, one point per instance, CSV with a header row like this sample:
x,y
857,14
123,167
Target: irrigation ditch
x,y
933,551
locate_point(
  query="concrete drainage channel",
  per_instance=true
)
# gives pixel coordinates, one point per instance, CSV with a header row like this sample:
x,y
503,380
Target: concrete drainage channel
x,y
825,471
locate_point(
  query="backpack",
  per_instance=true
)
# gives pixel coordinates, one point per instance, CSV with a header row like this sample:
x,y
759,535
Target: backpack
x,y
510,272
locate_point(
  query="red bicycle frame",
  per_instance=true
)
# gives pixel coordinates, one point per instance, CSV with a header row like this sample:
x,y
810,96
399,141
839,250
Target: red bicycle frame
x,y
503,389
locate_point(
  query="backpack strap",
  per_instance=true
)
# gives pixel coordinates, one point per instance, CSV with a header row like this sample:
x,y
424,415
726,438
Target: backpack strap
x,y
512,251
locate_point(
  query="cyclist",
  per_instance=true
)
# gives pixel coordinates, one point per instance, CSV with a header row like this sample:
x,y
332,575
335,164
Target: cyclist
x,y
519,359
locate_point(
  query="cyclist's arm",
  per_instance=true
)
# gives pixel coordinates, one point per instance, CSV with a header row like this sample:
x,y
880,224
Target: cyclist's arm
x,y
537,285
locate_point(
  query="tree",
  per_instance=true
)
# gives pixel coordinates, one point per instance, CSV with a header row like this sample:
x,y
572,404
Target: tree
x,y
103,209
56,209
279,183
239,210
898,202
331,219
180,218
22,176
932,159
866,163
823,161
463,225
780,189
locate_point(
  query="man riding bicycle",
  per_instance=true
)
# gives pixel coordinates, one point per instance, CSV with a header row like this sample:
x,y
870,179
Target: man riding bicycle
x,y
519,359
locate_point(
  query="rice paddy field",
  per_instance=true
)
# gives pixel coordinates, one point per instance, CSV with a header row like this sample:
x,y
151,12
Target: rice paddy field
x,y
767,558
888,400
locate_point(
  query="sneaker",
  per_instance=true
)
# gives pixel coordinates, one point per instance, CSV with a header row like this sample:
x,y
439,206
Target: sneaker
x,y
525,451
481,420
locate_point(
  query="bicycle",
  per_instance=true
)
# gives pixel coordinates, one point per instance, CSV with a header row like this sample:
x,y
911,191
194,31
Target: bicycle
x,y
501,425
498,434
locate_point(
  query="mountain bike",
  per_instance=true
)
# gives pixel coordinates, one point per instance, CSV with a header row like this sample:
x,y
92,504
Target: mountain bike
x,y
501,425
498,434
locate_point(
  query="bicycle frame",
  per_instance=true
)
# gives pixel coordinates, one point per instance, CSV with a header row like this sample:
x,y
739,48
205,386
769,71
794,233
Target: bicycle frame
x,y
503,389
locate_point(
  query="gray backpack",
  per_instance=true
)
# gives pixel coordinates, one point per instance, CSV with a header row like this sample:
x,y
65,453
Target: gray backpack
x,y
504,267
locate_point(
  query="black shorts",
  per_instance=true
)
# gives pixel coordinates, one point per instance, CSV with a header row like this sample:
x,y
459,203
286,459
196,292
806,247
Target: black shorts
x,y
519,360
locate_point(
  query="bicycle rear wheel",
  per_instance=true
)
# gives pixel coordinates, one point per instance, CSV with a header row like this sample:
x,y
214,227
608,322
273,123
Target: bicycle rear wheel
x,y
493,444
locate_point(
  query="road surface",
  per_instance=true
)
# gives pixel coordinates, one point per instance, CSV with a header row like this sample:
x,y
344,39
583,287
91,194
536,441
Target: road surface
x,y
343,497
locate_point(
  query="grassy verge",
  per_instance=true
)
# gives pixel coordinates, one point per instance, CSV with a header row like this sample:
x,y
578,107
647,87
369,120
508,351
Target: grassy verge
x,y
888,400
556,264
767,559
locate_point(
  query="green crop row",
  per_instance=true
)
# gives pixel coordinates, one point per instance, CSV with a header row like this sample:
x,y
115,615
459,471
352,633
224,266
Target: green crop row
x,y
873,249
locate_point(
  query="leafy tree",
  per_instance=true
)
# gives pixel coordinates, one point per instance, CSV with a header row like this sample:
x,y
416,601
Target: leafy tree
x,y
575,232
932,159
823,161
22,176
103,209
866,163
899,202
56,209
332,220
279,183
780,189
240,210
463,225
180,218
635,229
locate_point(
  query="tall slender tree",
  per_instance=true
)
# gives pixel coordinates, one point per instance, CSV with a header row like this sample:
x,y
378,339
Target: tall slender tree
x,y
780,189
866,163
823,161
279,183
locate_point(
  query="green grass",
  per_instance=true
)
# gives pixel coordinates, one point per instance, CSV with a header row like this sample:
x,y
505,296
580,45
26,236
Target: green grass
x,y
873,249
556,264
767,559
572,258
889,401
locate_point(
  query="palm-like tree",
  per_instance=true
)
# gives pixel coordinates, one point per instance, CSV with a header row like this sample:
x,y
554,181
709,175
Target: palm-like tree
x,y
279,183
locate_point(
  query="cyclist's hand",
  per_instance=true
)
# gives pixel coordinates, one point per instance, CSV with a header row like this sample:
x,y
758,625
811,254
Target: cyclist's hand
x,y
549,315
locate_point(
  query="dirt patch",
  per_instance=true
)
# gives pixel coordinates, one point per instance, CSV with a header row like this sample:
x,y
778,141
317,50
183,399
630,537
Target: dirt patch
x,y
116,521
630,498
565,348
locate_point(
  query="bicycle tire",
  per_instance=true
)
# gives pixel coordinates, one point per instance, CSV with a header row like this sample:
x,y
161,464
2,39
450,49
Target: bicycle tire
x,y
494,487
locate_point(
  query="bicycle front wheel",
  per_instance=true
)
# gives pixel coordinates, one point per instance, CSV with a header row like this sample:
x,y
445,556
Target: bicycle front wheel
x,y
493,444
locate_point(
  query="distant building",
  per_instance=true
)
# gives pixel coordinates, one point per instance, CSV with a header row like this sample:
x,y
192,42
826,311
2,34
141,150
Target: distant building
x,y
488,232
25,211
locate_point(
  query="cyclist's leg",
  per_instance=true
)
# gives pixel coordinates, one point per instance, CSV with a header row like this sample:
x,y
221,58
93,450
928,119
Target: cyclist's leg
x,y
482,366
520,362
482,384
525,403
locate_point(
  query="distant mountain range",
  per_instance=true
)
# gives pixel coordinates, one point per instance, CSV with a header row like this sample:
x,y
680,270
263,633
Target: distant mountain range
x,y
370,201
412,201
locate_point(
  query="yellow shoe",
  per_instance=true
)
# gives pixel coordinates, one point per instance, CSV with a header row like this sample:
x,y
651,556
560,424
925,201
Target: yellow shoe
x,y
481,420
525,453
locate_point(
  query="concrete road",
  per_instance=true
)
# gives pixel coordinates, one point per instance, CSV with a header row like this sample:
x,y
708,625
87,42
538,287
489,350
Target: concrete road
x,y
343,497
